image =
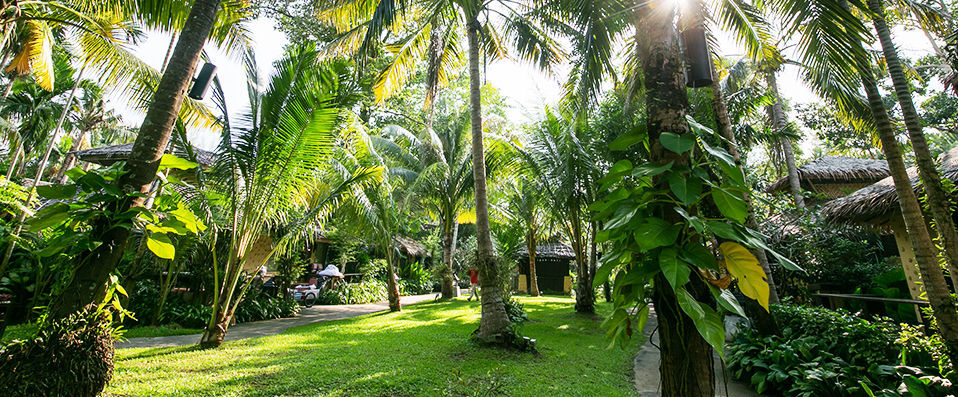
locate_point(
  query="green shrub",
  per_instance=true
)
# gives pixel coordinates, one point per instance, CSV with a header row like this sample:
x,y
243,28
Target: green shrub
x,y
368,291
68,357
257,306
187,315
419,281
516,311
834,353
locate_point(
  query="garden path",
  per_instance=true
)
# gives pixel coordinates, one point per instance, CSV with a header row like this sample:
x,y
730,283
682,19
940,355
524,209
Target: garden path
x,y
647,369
256,329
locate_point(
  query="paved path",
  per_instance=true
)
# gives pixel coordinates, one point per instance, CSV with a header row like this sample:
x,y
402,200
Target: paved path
x,y
310,315
647,370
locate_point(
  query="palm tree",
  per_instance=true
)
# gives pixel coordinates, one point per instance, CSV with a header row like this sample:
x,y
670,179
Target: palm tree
x,y
363,25
559,157
90,116
94,270
937,201
273,166
437,167
522,207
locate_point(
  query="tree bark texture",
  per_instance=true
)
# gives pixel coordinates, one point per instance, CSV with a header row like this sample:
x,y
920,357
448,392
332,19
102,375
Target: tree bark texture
x,y
447,284
494,320
938,201
686,366
925,254
392,288
778,121
89,281
532,246
584,295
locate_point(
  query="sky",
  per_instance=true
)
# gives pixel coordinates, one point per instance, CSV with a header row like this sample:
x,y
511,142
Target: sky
x,y
527,89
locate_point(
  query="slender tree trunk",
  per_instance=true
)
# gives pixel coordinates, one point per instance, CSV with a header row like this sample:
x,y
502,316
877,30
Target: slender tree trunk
x,y
392,288
532,246
686,365
447,260
938,202
762,319
16,158
8,88
89,281
70,159
778,121
494,321
925,254
584,297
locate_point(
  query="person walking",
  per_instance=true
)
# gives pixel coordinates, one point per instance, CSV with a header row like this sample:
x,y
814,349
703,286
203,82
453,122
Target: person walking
x,y
473,284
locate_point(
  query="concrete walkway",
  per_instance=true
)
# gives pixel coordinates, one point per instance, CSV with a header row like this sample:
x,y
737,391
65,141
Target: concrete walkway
x,y
315,314
646,368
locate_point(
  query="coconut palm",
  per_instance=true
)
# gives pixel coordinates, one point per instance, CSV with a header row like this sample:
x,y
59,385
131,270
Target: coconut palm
x,y
437,168
90,115
497,23
94,269
522,207
276,163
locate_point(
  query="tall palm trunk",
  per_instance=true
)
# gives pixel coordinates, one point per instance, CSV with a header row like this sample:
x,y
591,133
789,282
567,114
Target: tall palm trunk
x,y
937,201
584,296
16,157
70,159
778,121
532,246
392,288
89,281
494,321
447,239
925,254
686,364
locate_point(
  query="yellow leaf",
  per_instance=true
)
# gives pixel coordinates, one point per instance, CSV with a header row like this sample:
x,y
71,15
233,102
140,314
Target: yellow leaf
x,y
36,55
743,266
467,217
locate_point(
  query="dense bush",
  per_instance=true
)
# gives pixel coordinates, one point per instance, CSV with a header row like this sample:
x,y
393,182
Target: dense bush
x,y
69,357
837,258
516,311
822,352
257,306
368,291
418,281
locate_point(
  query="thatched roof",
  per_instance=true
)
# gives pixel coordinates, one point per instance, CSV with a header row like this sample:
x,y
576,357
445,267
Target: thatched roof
x,y
835,170
550,250
875,204
107,155
410,247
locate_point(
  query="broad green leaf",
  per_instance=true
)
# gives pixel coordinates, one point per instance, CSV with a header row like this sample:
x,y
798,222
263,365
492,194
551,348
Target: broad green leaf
x,y
625,141
686,189
189,219
677,143
698,255
757,240
727,300
915,387
160,245
650,169
654,233
75,173
171,161
622,216
719,154
734,174
730,204
723,230
675,270
57,192
744,267
607,264
706,320
49,216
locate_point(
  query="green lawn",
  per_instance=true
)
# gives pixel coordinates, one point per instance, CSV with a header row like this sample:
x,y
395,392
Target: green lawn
x,y
423,351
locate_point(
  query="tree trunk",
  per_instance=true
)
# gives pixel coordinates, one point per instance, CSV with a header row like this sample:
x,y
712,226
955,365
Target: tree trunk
x,y
13,163
494,320
8,88
532,246
214,333
686,366
778,121
89,281
584,295
447,260
938,201
925,255
70,159
392,288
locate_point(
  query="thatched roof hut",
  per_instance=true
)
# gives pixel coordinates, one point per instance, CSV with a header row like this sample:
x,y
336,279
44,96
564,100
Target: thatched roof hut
x,y
549,250
409,247
835,176
107,155
877,204
553,263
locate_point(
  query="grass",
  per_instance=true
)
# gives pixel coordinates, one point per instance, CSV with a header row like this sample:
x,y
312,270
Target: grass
x,y
422,351
24,331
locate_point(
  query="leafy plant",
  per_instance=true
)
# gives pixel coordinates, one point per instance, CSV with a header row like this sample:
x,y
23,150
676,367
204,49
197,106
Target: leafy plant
x,y
368,291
